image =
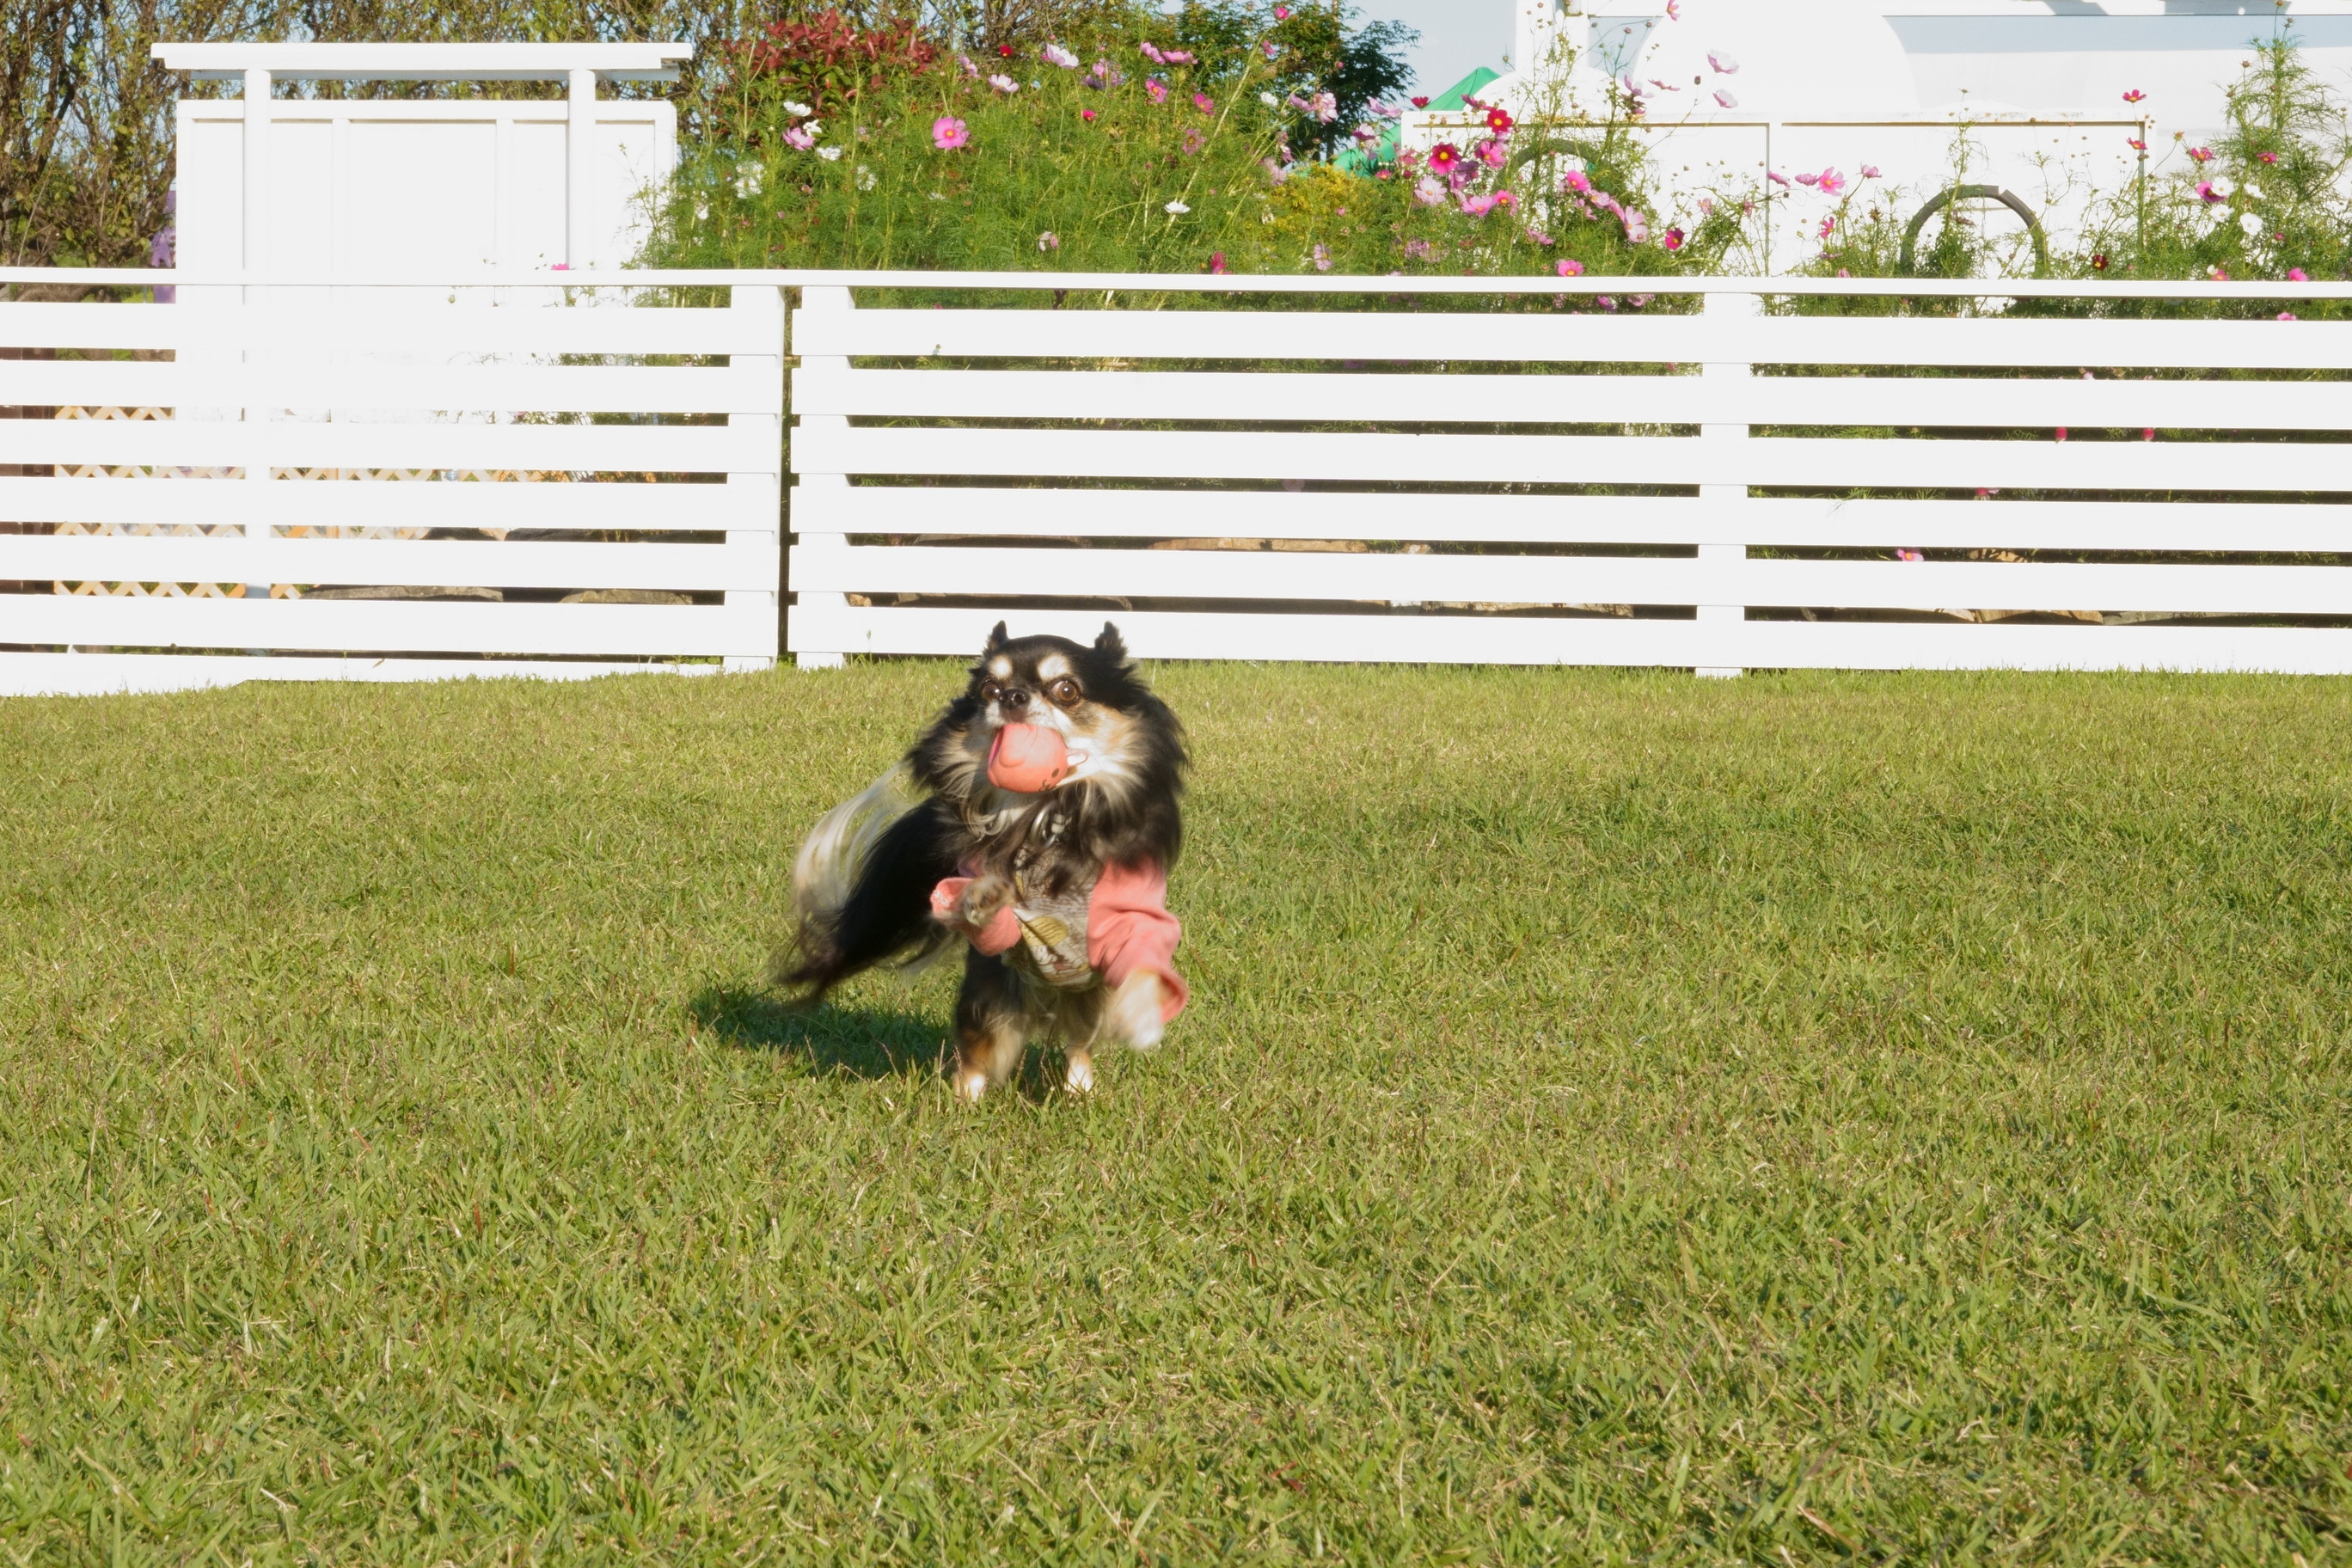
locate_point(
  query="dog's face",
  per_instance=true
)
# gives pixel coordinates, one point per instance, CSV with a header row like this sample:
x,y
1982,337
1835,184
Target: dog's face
x,y
1089,696
1118,734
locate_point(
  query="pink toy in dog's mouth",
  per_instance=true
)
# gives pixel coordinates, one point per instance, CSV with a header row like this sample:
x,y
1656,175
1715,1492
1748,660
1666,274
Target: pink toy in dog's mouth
x,y
1027,759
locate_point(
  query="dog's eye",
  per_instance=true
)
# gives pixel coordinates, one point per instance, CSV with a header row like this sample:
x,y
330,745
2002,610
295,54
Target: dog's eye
x,y
991,692
1064,692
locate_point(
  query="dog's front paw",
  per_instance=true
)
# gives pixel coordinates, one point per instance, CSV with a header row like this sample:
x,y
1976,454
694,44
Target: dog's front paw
x,y
983,900
1135,1013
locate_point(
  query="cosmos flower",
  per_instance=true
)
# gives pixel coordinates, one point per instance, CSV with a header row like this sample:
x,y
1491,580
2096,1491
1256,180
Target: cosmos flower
x,y
747,180
1571,268
1324,107
1722,62
830,154
2297,274
1576,180
1217,262
1672,239
2252,223
1870,171
798,140
1205,103
1445,158
798,110
1429,191
2135,143
1155,89
2267,157
1725,99
1500,120
2202,155
1049,240
1004,83
1057,55
2134,96
1831,182
1176,209
1322,259
948,133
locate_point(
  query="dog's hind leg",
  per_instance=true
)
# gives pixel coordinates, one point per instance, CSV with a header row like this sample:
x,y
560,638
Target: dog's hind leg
x,y
990,1027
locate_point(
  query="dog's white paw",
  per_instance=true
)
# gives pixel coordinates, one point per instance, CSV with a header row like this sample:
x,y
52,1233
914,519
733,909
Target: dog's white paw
x,y
1080,1077
970,1086
1135,1011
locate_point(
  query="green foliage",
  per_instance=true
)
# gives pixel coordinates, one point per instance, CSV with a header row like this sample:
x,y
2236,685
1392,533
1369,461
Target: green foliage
x,y
1156,145
1810,1119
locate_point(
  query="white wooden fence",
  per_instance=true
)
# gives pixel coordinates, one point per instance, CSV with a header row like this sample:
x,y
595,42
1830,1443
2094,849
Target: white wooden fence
x,y
1488,545
203,501
1714,491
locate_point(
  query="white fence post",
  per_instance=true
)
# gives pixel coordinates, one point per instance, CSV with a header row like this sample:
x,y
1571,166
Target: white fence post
x,y
753,628
1725,505
817,496
579,169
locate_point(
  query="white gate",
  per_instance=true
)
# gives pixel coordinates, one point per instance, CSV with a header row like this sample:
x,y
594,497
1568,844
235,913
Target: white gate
x,y
1720,490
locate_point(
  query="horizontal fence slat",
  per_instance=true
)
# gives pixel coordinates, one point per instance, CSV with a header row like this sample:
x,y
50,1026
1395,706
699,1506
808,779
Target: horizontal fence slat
x,y
1575,399
367,326
122,557
590,630
1438,458
1753,645
1008,512
555,389
611,448
105,674
1573,579
1564,338
301,503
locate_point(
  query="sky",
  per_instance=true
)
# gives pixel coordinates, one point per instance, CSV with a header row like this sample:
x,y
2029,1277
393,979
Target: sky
x,y
1457,36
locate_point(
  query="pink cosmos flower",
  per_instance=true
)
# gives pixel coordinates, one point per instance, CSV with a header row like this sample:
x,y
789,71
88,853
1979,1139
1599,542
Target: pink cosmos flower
x,y
1870,171
1057,55
2267,157
1673,10
1576,180
2135,143
971,70
1049,240
1217,262
2286,315
2297,274
1324,107
1910,555
1637,227
1605,301
1538,237
1725,99
798,140
2205,189
1003,84
1443,158
1671,239
1175,57
1828,225
2219,275
1087,115
1151,51
1429,191
1831,182
1205,103
1322,259
1499,121
1282,12
2062,432
948,133
1493,152
1775,178
1722,62
1155,89
1194,139
1420,250
1477,206
1809,179
2134,96
1571,268
2202,155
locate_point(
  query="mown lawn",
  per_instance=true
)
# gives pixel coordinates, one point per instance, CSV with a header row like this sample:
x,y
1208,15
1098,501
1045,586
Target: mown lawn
x,y
1801,1120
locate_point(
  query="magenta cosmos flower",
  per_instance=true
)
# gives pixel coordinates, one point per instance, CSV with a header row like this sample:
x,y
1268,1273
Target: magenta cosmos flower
x,y
948,133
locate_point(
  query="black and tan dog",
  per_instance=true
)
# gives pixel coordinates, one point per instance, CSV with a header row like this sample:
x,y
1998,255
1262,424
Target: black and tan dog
x,y
1035,823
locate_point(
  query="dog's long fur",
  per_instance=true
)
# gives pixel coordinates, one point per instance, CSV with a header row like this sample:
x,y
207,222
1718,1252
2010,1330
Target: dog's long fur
x,y
863,880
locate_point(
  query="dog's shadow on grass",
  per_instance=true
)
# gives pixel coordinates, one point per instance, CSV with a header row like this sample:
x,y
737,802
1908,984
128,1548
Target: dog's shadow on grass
x,y
869,1043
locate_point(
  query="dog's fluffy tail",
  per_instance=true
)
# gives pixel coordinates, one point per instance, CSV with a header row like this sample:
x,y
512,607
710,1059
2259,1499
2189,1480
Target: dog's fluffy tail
x,y
861,887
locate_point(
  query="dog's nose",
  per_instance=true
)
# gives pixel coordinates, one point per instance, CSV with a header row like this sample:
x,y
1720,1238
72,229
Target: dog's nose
x,y
1012,698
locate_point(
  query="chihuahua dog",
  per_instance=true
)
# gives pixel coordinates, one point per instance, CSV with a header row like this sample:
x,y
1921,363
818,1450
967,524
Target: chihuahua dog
x,y
1034,824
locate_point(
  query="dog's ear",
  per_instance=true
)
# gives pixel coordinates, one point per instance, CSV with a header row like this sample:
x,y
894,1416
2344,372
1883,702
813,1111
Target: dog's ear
x,y
996,638
1110,645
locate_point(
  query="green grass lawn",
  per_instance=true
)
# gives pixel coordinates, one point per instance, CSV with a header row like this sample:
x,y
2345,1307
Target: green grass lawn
x,y
1621,1117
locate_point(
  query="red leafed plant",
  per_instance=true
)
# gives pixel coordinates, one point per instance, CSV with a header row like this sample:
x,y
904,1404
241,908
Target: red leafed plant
x,y
829,59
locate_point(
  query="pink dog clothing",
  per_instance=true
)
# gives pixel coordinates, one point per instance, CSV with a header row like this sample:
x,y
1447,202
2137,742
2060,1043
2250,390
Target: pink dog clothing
x,y
1118,926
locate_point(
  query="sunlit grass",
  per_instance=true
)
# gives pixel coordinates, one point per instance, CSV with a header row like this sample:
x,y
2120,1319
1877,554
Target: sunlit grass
x,y
1621,1118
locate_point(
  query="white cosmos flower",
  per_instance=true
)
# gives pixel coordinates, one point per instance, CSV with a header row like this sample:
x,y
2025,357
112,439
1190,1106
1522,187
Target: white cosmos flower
x,y
798,110
2253,191
1269,101
1177,209
2251,223
830,154
866,178
2225,187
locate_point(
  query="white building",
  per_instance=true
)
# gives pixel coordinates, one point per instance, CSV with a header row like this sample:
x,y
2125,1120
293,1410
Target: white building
x,y
1736,90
